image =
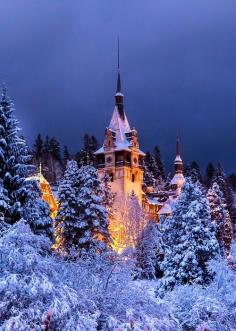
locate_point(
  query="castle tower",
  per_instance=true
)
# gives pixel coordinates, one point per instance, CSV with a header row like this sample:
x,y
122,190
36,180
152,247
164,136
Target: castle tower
x,y
120,156
178,180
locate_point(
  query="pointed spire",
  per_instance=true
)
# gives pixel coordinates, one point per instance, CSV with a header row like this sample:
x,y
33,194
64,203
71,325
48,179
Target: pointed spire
x,y
119,98
178,159
177,144
118,85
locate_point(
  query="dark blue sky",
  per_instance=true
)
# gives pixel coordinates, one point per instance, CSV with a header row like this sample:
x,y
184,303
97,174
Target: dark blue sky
x,y
178,65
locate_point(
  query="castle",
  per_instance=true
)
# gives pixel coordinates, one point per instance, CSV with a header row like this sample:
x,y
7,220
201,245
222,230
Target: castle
x,y
121,158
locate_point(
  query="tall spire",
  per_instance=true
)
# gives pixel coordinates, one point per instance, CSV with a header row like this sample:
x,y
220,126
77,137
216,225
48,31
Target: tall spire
x,y
119,98
118,86
178,160
177,144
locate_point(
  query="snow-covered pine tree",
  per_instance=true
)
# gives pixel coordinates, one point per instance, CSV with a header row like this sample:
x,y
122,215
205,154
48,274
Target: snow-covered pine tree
x,y
195,172
154,169
221,179
67,228
108,195
38,150
82,219
149,179
14,161
149,253
189,241
159,162
3,207
86,155
228,233
93,217
210,170
66,155
37,212
217,208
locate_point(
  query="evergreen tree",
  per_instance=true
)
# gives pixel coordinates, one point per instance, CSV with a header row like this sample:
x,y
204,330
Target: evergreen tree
x,y
149,179
159,162
93,216
189,241
55,149
67,219
86,155
14,162
195,173
38,149
37,212
210,170
187,170
221,180
66,154
232,180
82,220
51,160
228,233
217,208
149,253
108,195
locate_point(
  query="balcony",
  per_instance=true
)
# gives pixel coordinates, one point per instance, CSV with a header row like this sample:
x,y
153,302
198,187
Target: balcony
x,y
122,163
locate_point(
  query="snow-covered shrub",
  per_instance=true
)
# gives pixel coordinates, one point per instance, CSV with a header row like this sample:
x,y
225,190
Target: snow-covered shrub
x,y
212,307
31,288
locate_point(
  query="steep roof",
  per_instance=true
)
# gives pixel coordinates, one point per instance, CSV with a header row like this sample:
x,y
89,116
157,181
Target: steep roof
x,y
119,125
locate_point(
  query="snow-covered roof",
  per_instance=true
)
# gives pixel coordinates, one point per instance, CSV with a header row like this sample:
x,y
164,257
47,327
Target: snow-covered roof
x,y
119,125
39,177
153,201
166,209
178,180
178,159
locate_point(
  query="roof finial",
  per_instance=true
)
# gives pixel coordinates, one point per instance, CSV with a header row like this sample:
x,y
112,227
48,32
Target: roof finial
x,y
177,143
118,40
118,87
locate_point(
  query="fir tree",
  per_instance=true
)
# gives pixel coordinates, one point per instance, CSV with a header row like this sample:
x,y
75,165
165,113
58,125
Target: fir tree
x,y
108,195
14,162
55,149
149,253
210,170
217,208
187,170
232,180
52,162
189,241
159,162
93,216
195,173
67,219
86,155
228,233
149,179
38,149
37,212
66,154
221,180
82,220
